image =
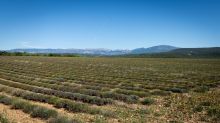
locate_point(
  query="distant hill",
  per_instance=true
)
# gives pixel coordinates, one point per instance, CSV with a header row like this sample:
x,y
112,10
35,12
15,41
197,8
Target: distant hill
x,y
154,49
213,52
161,51
199,52
101,51
74,51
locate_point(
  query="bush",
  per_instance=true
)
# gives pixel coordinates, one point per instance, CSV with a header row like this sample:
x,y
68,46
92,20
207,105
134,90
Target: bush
x,y
75,107
147,101
5,100
121,97
43,112
3,119
132,99
52,99
214,112
19,105
130,92
177,90
28,108
160,93
201,89
62,119
197,108
175,121
205,103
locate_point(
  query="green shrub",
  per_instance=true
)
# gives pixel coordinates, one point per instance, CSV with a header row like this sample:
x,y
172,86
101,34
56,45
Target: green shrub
x,y
18,105
121,97
197,108
160,93
201,89
175,121
62,119
28,108
147,101
177,90
132,99
131,92
60,103
5,100
75,107
214,112
43,112
205,103
52,99
3,119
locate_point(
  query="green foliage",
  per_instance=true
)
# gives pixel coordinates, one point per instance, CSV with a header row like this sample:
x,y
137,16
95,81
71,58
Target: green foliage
x,y
131,92
147,101
4,53
201,89
43,112
5,100
122,97
3,118
18,104
62,119
160,93
177,90
214,113
205,103
198,108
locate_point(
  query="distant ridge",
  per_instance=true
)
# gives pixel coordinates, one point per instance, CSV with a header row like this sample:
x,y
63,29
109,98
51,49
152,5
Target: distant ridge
x,y
160,51
74,51
154,49
212,52
100,51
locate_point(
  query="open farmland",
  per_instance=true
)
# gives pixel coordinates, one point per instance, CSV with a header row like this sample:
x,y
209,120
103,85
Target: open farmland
x,y
139,90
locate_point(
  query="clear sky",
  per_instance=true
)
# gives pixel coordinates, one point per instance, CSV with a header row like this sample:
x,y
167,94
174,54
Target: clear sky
x,y
112,24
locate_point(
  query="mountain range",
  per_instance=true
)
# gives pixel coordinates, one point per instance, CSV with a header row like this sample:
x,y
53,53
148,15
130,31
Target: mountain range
x,y
154,49
211,52
101,51
160,51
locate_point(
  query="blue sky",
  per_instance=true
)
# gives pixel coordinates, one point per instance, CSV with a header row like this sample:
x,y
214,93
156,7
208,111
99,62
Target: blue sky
x,y
112,24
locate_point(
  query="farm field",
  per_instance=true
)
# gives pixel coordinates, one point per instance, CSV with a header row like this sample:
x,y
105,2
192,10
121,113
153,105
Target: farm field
x,y
109,90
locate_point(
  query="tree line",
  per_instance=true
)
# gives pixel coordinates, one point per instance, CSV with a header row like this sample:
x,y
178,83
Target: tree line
x,y
5,53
